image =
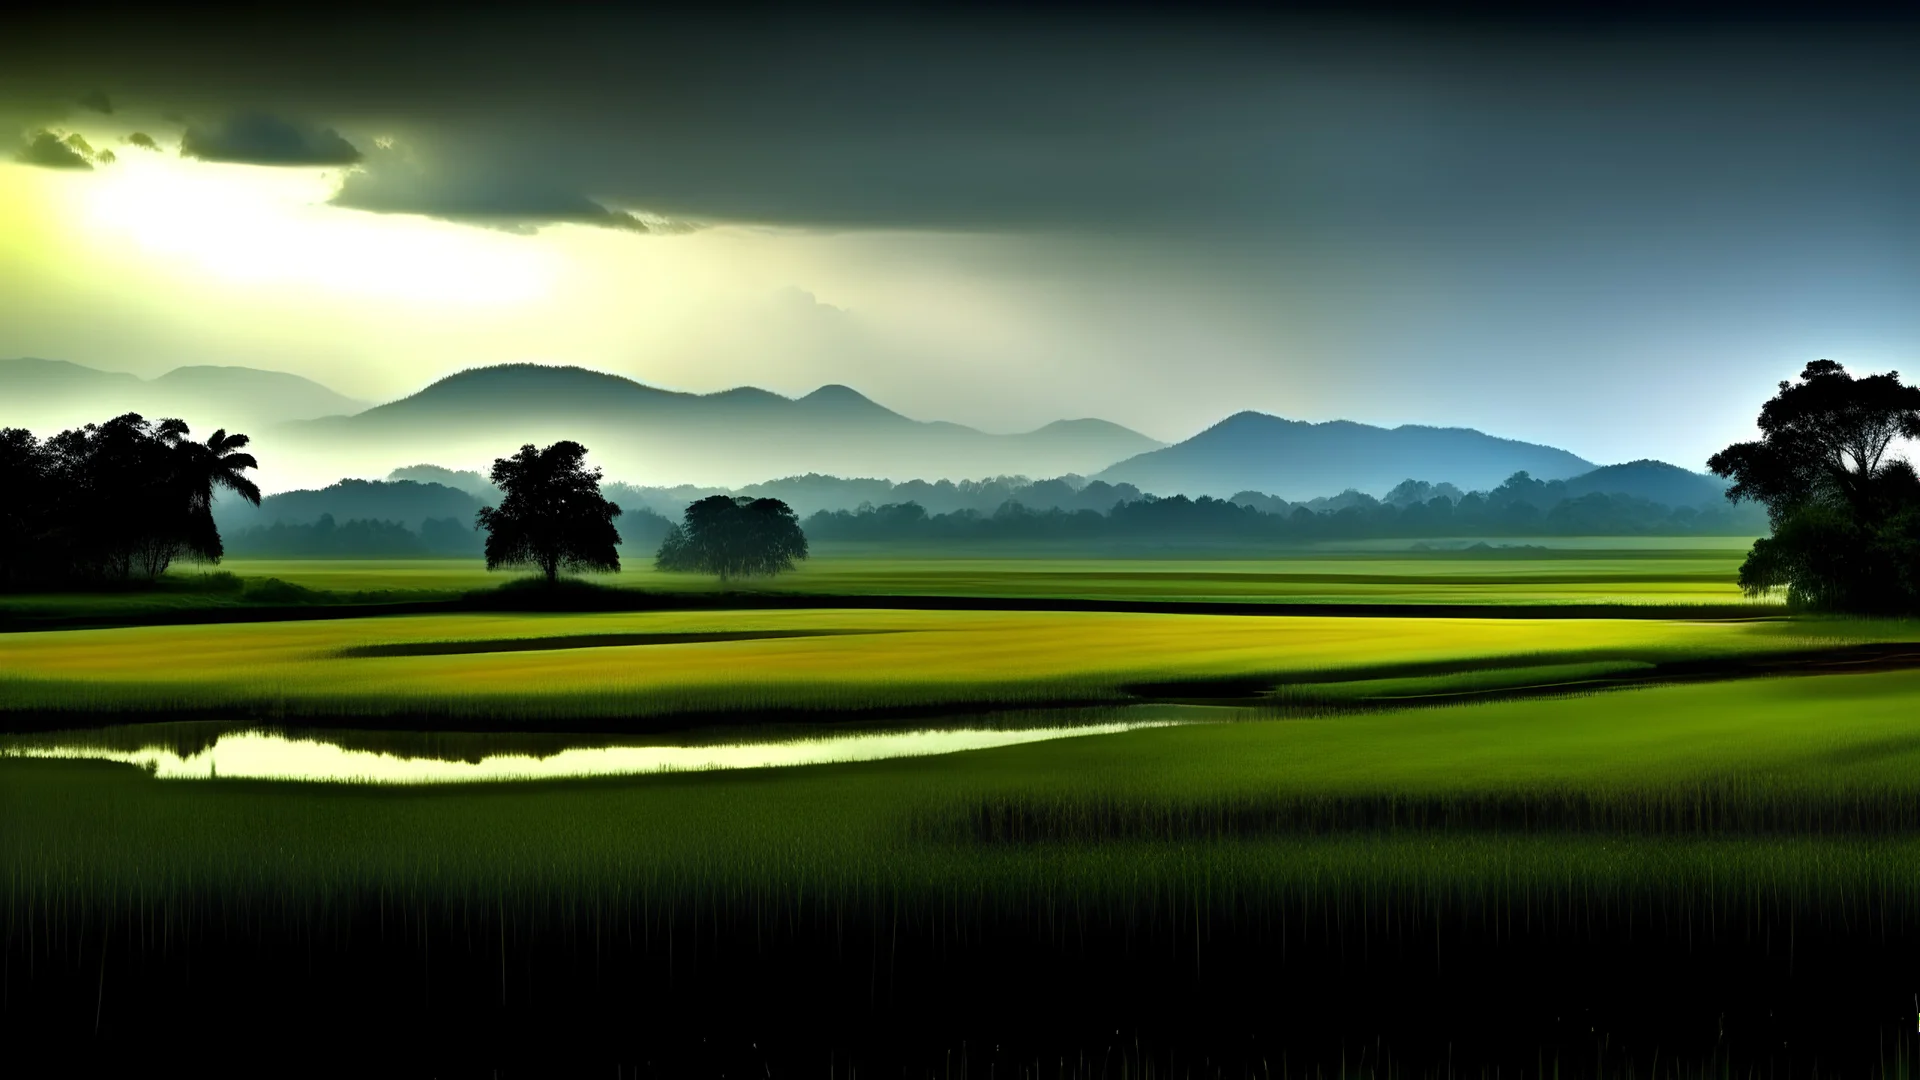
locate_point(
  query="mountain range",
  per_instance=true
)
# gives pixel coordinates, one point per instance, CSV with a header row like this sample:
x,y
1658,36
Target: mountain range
x,y
1296,460
54,394
643,434
308,436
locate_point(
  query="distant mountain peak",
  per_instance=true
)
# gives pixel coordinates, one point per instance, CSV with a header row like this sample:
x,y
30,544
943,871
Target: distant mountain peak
x,y
62,369
1253,419
748,393
551,373
838,394
59,393
1295,459
1092,427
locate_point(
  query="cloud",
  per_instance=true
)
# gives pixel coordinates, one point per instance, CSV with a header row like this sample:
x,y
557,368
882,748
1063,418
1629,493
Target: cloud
x,y
393,182
97,101
1006,121
49,151
142,140
260,139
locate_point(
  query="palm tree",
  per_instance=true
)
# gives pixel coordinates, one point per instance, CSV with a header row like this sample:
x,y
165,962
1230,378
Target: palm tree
x,y
199,468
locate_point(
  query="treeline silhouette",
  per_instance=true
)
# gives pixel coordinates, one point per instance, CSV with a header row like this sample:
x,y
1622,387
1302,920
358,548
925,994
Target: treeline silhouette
x,y
385,519
405,518
1517,508
358,538
814,491
113,502
1651,481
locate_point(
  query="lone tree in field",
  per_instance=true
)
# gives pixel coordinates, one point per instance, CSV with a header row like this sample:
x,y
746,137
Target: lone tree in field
x,y
734,536
1845,515
553,516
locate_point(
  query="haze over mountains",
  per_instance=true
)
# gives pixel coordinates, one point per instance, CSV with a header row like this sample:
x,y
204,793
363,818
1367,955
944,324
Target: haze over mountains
x,y
1296,460
309,437
48,395
643,434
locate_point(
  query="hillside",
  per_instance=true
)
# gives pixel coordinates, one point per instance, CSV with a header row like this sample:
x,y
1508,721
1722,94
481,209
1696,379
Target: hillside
x,y
407,502
47,395
1297,460
1655,481
643,434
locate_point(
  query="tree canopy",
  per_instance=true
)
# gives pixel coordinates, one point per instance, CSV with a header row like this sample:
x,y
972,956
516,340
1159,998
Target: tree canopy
x,y
1845,514
114,501
552,516
734,536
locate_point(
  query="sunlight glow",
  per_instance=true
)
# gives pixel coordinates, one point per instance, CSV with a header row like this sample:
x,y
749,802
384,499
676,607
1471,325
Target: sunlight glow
x,y
251,225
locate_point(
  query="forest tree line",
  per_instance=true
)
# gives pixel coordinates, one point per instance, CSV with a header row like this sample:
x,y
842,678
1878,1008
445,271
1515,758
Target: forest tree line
x,y
407,518
113,502
1513,509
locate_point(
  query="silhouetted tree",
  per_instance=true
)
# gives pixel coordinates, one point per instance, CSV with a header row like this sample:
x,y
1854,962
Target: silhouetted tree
x,y
114,500
26,508
552,516
198,469
734,536
1845,516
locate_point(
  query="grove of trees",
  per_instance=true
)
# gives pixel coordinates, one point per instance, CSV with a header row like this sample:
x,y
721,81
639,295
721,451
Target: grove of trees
x,y
552,516
358,538
1845,513
734,537
114,502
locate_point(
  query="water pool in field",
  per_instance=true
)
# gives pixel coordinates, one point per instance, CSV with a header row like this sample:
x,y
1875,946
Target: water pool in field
x,y
223,751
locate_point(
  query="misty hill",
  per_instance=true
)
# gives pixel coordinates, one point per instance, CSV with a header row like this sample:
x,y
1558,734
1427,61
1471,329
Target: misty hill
x,y
407,502
47,395
464,479
1655,481
1294,459
644,434
813,492
388,518
253,394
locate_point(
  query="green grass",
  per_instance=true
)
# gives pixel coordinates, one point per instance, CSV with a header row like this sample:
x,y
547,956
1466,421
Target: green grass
x,y
1681,575
439,668
1630,571
1745,815
1733,756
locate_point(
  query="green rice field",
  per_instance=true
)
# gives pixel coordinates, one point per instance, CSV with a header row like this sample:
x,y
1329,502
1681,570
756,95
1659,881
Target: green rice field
x,y
1679,573
551,667
1364,845
1562,574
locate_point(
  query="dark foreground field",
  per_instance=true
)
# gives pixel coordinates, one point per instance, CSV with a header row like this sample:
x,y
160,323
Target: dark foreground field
x,y
1636,888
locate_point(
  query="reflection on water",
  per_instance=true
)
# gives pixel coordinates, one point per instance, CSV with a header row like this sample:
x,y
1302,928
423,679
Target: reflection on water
x,y
213,752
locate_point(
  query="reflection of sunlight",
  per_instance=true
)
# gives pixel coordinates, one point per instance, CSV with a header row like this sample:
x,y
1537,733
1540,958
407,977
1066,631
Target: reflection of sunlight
x,y
272,226
258,756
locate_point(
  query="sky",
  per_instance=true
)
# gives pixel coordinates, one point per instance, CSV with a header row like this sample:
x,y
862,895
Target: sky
x,y
1612,232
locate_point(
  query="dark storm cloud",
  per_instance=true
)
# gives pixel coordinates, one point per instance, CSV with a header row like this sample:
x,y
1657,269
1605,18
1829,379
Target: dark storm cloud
x,y
1076,120
142,140
50,151
392,183
261,139
97,102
